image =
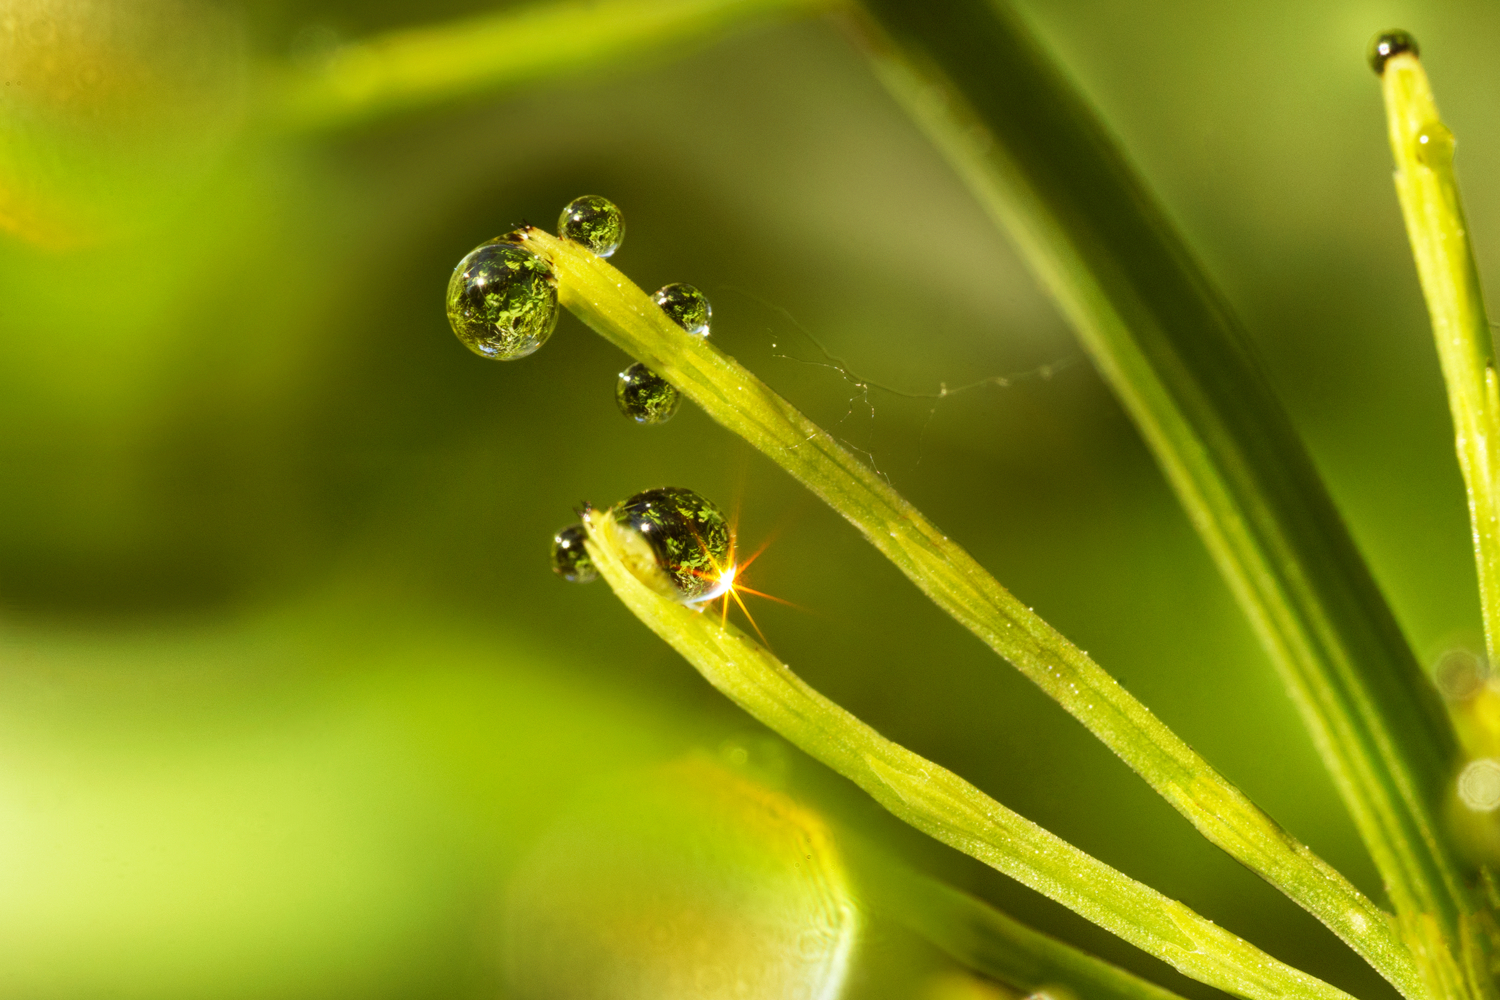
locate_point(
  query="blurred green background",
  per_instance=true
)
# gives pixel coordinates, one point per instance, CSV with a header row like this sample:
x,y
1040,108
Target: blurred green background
x,y
288,693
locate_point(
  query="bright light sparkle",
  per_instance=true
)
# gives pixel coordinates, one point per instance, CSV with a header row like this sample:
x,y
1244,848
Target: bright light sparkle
x,y
722,587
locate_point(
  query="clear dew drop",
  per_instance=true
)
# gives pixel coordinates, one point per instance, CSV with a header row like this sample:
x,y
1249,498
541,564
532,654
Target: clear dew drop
x,y
570,558
685,306
1434,145
1390,43
502,300
689,536
593,222
645,396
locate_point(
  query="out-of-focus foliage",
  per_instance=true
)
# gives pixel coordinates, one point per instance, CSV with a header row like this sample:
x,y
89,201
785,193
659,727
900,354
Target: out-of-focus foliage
x,y
288,686
694,883
109,109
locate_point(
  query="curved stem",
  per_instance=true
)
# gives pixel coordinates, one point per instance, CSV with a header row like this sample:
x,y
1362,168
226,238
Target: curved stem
x,y
615,307
943,805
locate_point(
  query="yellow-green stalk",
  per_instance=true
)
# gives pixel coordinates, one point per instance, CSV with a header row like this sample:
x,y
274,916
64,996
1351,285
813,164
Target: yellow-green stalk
x,y
939,802
610,303
1428,191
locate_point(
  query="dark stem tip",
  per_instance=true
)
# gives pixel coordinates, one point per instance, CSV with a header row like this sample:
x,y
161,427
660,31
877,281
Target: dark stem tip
x,y
1391,43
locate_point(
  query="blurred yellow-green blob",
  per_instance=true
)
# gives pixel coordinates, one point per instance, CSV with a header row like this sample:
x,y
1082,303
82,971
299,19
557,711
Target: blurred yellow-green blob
x,y
693,882
109,109
317,803
1473,696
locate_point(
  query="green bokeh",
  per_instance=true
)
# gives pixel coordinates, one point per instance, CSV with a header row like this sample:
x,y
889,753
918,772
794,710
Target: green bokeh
x,y
288,683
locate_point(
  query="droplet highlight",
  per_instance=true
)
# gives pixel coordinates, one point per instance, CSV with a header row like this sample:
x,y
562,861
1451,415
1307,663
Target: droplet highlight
x,y
570,557
502,300
689,537
645,396
686,306
1388,44
593,222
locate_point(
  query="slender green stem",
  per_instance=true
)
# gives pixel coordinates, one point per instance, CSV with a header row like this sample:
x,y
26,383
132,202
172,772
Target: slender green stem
x,y
616,308
1045,167
941,804
420,66
982,938
1428,191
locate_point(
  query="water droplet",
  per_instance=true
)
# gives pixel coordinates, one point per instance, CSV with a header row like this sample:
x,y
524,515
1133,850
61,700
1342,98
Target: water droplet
x,y
686,306
502,300
593,222
570,559
645,396
1435,145
1391,43
689,537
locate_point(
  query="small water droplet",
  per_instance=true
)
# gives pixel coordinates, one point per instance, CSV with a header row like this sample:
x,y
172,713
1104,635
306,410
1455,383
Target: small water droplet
x,y
686,306
1435,145
645,396
502,300
570,559
1391,43
689,537
593,222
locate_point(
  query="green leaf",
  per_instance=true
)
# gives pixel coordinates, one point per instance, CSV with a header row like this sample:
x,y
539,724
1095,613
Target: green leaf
x,y
1044,166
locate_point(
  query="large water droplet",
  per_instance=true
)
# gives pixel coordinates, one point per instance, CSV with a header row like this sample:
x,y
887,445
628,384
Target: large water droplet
x,y
689,537
686,306
502,300
1391,43
570,558
645,396
1435,145
593,222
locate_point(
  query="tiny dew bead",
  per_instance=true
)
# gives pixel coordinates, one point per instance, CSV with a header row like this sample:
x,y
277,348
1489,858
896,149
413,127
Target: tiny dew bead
x,y
645,396
570,558
685,306
593,222
1388,44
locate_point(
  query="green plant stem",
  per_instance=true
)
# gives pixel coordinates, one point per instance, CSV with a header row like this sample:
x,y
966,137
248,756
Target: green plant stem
x,y
985,940
1044,166
421,66
1428,191
943,805
615,307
